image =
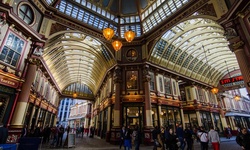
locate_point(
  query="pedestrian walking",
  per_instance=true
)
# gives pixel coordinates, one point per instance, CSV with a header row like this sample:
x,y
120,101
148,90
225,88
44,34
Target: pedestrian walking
x,y
203,136
122,136
180,134
60,136
243,139
214,138
127,139
136,136
189,138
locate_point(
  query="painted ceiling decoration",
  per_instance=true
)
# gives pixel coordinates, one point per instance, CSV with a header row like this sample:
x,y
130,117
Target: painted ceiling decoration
x,y
196,48
77,58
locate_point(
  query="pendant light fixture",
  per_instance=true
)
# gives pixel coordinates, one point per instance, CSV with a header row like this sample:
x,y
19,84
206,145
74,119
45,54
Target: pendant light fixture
x,y
214,90
75,92
236,96
109,33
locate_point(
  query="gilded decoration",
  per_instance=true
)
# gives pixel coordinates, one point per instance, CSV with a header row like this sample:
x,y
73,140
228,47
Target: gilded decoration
x,y
145,73
237,45
56,27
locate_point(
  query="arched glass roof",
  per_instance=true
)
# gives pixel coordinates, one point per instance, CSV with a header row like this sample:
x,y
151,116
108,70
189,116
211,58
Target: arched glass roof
x,y
77,58
195,48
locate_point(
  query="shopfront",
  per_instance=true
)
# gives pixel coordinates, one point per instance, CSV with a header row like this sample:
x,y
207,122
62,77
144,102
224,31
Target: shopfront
x,y
190,119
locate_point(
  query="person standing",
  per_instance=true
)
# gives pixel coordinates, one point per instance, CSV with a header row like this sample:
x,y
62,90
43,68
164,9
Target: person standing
x,y
189,138
243,139
172,140
203,139
137,138
122,135
3,134
127,139
82,130
60,136
180,135
214,138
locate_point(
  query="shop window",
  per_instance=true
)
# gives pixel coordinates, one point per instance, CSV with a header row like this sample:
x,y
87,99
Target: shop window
x,y
167,85
3,105
152,81
131,80
160,84
12,49
26,14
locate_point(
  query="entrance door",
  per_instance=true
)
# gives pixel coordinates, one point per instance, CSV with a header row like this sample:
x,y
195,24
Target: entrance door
x,y
133,116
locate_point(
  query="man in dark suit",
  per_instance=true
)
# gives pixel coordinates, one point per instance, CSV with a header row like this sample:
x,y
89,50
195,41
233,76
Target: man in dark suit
x,y
122,135
3,134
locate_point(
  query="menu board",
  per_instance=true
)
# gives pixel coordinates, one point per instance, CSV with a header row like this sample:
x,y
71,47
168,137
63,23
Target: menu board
x,y
71,141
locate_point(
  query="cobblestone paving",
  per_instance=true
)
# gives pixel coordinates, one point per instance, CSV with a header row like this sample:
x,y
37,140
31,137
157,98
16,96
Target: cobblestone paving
x,y
87,143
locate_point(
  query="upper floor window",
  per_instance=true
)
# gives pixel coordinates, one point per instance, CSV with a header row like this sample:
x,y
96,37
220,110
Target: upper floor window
x,y
12,49
26,14
152,81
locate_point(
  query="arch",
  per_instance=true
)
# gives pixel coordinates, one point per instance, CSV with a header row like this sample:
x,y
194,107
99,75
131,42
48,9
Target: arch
x,y
194,47
74,57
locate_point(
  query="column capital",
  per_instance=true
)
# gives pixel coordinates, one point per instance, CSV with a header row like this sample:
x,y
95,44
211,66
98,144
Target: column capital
x,y
235,44
117,74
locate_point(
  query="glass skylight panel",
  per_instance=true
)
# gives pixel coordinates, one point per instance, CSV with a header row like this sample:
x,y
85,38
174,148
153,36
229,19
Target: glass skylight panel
x,y
191,66
186,62
50,1
175,55
74,12
93,8
181,58
167,53
69,9
103,12
99,10
171,6
88,5
178,3
197,66
80,15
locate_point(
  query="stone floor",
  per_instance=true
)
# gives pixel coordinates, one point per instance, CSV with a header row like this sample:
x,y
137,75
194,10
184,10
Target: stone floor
x,y
87,143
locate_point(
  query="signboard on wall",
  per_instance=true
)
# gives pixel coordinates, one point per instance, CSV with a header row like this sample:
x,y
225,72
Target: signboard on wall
x,y
238,80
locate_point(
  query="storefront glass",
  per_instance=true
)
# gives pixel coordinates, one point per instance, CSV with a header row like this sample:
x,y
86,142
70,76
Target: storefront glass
x,y
190,119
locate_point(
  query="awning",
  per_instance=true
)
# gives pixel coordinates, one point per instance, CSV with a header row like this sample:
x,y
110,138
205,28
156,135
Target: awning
x,y
237,114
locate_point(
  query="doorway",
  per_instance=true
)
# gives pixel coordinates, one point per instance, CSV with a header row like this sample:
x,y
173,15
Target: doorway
x,y
133,116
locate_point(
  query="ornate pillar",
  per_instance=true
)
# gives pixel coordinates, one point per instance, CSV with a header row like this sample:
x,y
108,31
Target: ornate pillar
x,y
160,116
182,116
148,108
20,111
108,124
115,131
212,118
198,117
238,48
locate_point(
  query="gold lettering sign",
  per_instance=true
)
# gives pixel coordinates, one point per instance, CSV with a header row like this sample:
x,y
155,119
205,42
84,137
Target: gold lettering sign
x,y
8,81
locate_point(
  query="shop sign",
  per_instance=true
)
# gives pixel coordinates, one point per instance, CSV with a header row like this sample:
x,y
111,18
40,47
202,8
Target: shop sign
x,y
232,81
8,82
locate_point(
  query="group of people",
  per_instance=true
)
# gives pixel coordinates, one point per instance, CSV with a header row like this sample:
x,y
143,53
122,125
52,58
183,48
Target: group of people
x,y
55,133
129,136
179,138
